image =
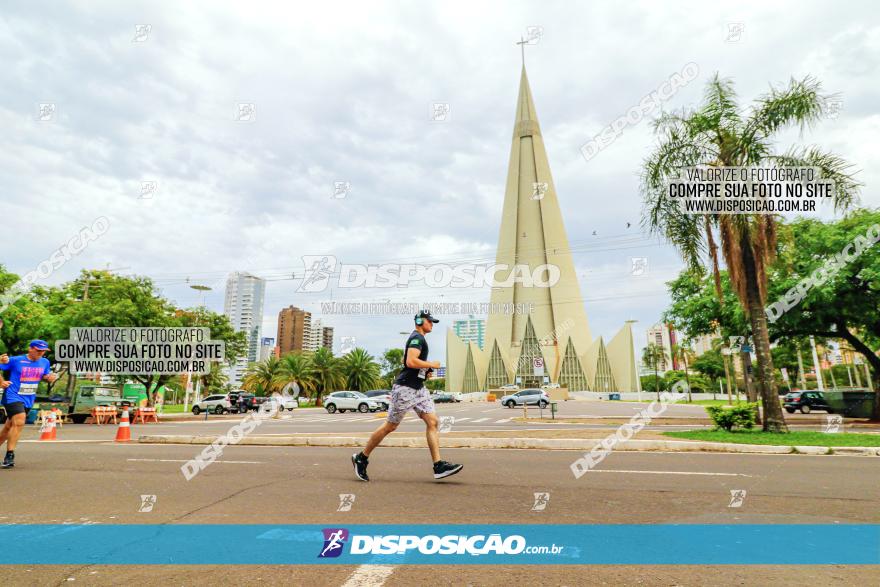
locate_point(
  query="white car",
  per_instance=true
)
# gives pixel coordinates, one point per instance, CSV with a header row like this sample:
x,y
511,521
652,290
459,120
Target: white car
x,y
342,401
509,387
527,396
219,404
287,403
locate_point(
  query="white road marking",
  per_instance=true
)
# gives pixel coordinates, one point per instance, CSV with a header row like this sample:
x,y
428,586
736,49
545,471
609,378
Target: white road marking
x,y
186,461
369,576
487,411
461,419
503,421
479,420
670,473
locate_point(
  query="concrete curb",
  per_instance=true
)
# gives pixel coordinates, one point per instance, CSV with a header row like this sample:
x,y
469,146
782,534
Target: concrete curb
x,y
581,444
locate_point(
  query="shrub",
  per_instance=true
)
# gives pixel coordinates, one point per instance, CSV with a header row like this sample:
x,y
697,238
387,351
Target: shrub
x,y
730,417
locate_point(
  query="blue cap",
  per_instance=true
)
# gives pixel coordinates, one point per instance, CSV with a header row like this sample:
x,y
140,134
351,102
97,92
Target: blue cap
x,y
40,345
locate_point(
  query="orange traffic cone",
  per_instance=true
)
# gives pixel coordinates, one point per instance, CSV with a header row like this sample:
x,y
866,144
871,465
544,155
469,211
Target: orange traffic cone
x,y
123,433
47,430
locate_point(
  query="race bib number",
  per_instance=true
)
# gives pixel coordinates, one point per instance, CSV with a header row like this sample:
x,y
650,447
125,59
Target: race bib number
x,y
28,389
422,373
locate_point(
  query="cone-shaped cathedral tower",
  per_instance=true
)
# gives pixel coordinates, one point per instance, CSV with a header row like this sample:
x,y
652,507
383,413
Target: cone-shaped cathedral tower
x,y
533,234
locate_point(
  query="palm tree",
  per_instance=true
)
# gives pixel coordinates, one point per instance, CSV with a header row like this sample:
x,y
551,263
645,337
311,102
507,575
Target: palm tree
x,y
262,376
651,357
718,134
682,351
296,368
327,370
360,370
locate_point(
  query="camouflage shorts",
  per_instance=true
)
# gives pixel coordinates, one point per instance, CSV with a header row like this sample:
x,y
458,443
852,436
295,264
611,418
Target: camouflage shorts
x,y
404,399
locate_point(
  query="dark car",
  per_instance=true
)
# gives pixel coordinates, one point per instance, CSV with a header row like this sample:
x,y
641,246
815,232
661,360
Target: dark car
x,y
441,397
806,402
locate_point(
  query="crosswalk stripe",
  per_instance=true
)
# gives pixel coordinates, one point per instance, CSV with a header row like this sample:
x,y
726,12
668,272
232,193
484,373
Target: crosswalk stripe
x,y
461,419
503,421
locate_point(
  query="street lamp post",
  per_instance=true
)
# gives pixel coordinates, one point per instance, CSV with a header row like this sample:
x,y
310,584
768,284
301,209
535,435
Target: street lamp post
x,y
201,289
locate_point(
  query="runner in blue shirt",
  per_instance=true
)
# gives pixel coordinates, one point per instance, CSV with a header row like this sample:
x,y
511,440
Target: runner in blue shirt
x,y
25,373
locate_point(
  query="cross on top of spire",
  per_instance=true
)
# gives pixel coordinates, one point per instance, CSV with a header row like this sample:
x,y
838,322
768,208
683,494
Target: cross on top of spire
x,y
522,43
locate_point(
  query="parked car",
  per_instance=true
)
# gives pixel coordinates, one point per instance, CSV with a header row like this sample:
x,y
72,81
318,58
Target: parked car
x,y
235,400
537,397
218,404
287,403
383,396
806,402
441,397
342,401
509,387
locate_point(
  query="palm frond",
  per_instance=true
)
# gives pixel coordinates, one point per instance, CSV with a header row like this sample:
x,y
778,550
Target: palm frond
x,y
800,103
846,187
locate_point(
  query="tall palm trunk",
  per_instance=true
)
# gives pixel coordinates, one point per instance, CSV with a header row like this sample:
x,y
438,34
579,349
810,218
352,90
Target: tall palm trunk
x,y
773,420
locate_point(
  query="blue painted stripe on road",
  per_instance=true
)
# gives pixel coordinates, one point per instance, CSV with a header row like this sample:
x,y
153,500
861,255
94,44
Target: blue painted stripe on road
x,y
630,544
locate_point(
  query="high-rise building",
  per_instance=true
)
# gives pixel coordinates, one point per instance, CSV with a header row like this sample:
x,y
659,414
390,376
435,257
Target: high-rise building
x,y
243,306
327,337
470,330
552,342
294,330
664,336
267,348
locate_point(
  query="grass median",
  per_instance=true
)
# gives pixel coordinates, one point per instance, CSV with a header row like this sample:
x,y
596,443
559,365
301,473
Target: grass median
x,y
798,438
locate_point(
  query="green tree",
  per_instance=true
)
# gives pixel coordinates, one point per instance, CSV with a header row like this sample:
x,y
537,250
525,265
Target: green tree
x,y
327,371
683,352
263,377
296,368
652,355
100,298
392,362
718,133
360,370
847,304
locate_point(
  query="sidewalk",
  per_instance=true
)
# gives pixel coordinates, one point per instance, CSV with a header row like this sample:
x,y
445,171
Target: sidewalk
x,y
531,441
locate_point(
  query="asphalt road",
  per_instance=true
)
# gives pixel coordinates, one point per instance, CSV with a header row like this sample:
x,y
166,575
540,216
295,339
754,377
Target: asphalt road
x,y
465,417
99,482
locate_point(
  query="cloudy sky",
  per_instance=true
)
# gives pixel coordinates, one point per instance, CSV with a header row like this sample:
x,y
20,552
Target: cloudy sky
x,y
342,92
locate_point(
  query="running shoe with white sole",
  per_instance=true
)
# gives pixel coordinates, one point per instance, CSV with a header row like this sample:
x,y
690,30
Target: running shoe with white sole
x,y
443,469
360,463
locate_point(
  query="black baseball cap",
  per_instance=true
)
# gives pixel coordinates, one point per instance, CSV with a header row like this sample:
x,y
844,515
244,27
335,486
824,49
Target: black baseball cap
x,y
427,316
